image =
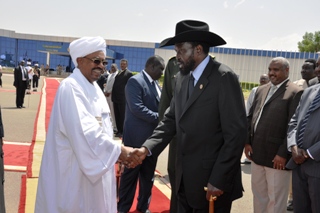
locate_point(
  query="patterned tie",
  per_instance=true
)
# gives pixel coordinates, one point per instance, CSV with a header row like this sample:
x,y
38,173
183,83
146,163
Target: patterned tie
x,y
305,120
190,85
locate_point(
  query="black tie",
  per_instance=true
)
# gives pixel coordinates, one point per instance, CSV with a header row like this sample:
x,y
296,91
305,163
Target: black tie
x,y
191,85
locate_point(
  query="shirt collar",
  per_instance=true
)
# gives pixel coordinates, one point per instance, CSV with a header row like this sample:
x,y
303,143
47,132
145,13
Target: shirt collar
x,y
148,76
199,69
279,85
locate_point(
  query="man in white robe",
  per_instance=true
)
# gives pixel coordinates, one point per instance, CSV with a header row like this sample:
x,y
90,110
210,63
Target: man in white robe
x,y
77,171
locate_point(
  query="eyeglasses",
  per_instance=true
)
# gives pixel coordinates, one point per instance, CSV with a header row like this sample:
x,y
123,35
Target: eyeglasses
x,y
97,61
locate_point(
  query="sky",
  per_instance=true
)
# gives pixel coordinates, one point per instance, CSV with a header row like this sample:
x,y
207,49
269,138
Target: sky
x,y
251,24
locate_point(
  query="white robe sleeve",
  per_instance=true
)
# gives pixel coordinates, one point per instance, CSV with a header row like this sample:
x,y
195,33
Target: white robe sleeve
x,y
96,152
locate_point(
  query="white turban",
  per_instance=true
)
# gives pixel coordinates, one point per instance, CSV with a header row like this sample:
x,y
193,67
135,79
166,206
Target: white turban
x,y
84,46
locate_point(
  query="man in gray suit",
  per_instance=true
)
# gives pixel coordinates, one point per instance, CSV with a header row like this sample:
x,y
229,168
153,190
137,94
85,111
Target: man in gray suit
x,y
273,106
304,143
2,203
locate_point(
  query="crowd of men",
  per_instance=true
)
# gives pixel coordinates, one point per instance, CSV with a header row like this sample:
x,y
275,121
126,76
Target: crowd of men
x,y
200,112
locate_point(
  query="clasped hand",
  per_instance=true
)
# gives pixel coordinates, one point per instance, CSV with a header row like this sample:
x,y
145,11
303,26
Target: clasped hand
x,y
132,157
299,155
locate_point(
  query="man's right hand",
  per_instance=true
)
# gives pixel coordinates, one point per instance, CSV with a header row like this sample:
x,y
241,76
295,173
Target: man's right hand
x,y
248,151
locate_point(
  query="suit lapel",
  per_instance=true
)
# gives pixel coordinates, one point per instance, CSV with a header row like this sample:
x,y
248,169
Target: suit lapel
x,y
316,90
279,91
151,87
198,88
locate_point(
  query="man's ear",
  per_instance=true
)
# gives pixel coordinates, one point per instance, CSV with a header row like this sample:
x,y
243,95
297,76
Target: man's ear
x,y
199,49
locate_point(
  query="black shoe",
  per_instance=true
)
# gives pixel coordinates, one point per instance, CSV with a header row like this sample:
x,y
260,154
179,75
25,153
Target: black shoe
x,y
290,205
146,211
119,135
19,107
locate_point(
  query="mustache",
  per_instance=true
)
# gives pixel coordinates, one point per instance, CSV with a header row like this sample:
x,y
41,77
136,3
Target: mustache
x,y
97,70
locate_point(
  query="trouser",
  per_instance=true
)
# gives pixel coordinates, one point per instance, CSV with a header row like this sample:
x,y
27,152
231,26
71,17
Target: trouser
x,y
2,203
128,183
20,93
270,189
306,193
35,81
171,172
222,204
119,113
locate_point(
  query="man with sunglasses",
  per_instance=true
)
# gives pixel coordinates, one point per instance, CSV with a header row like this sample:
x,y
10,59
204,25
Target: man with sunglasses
x,y
77,173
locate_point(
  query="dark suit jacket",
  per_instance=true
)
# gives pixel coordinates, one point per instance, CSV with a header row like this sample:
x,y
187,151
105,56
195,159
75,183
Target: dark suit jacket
x,y
311,139
118,94
18,77
270,137
141,116
102,80
169,82
211,132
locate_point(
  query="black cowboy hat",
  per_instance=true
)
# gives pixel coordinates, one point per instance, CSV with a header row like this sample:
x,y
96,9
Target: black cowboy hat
x,y
193,31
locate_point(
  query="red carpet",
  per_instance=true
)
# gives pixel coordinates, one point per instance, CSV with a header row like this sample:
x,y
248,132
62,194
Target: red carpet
x,y
159,202
15,156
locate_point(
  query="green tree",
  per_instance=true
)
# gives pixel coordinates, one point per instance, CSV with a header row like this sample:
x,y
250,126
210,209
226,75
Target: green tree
x,y
310,42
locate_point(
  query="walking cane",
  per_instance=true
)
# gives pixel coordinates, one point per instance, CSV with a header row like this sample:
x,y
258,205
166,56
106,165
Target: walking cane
x,y
211,201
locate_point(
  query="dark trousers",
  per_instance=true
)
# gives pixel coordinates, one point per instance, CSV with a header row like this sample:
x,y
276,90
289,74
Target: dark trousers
x,y
119,113
20,93
221,205
35,81
172,174
305,191
128,184
2,203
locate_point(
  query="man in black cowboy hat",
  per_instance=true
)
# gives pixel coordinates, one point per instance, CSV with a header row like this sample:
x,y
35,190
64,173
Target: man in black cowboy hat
x,y
207,115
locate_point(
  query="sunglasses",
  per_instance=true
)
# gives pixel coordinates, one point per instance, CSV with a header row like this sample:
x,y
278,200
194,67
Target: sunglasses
x,y
97,61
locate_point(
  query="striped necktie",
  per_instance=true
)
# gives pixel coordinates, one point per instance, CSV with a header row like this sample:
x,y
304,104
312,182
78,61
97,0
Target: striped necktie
x,y
312,106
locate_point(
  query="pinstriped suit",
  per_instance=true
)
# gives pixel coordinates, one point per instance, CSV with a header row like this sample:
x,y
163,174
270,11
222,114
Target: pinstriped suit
x,y
210,128
306,177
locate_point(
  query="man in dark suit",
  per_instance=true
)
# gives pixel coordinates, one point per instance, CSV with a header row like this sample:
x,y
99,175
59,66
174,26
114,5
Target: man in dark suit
x,y
21,83
304,143
2,203
118,95
142,98
308,79
102,80
207,115
168,85
272,108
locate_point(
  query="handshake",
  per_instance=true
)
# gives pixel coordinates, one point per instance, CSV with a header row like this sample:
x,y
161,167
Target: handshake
x,y
132,157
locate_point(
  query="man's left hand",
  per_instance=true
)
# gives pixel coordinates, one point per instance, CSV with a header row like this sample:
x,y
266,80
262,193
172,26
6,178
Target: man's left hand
x,y
214,191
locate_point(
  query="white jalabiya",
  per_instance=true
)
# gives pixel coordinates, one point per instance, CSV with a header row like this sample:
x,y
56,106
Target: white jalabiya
x,y
77,171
